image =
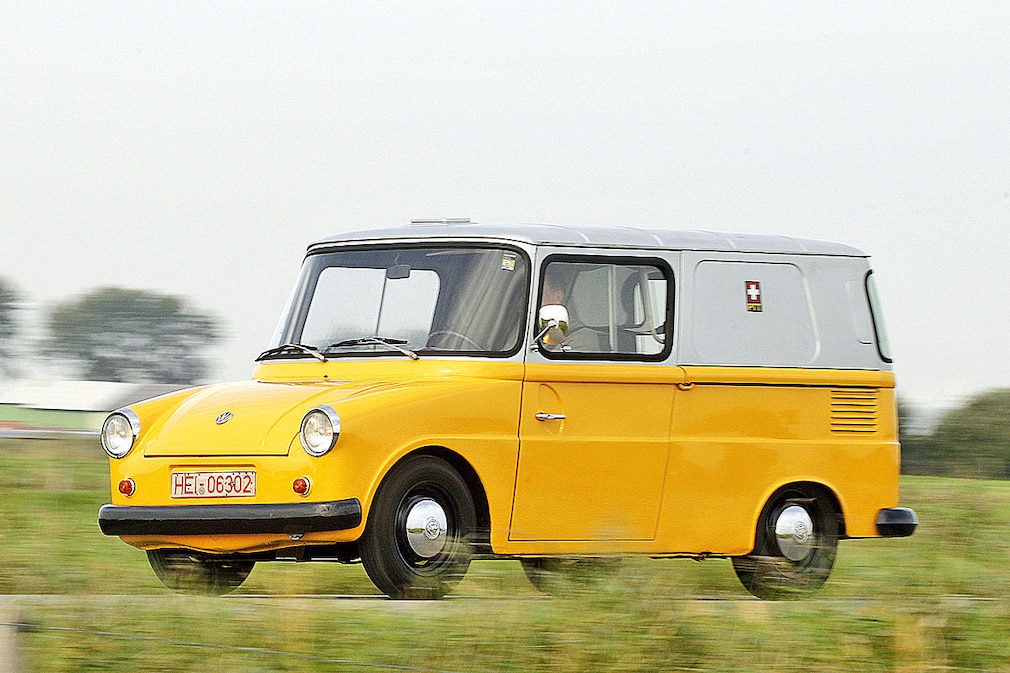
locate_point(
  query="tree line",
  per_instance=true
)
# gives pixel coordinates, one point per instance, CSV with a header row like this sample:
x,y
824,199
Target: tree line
x,y
113,334
972,440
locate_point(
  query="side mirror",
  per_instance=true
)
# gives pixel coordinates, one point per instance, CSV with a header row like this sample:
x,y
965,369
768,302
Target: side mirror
x,y
398,272
553,324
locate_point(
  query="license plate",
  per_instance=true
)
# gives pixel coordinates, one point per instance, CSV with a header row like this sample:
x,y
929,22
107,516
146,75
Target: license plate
x,y
225,484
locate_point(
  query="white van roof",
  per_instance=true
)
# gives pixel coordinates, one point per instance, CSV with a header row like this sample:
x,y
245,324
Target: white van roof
x,y
594,237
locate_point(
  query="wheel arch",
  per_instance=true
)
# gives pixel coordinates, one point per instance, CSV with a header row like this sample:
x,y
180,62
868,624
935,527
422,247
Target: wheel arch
x,y
473,483
819,488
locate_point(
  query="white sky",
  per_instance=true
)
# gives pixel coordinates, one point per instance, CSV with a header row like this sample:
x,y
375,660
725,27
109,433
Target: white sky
x,y
196,148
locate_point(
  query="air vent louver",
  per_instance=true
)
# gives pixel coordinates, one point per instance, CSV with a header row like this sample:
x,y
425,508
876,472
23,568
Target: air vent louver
x,y
854,410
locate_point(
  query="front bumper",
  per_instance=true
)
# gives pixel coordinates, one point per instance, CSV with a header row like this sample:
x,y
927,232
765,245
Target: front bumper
x,y
288,519
896,522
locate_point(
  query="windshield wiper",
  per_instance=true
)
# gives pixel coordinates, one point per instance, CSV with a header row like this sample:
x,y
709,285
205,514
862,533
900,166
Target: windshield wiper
x,y
395,344
292,348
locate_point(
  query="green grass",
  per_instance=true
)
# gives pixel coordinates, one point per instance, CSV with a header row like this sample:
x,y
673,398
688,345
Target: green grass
x,y
939,600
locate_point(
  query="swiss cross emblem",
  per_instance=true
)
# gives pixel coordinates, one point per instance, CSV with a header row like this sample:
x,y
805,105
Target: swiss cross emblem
x,y
753,296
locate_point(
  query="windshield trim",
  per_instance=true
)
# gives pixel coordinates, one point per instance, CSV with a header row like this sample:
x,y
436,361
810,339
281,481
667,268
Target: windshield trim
x,y
293,319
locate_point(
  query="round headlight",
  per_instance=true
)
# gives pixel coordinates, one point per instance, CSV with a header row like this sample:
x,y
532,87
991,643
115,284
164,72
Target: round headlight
x,y
119,432
320,430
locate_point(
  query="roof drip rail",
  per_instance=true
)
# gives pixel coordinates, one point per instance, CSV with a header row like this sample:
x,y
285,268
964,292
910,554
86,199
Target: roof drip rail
x,y
450,220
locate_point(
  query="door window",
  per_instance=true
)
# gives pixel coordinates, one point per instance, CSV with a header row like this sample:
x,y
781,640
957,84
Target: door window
x,y
617,309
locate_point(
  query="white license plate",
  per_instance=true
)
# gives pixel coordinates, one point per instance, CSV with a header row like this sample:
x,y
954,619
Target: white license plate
x,y
225,484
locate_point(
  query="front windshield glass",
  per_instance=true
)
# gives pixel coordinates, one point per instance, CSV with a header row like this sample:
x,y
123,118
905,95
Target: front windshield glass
x,y
424,299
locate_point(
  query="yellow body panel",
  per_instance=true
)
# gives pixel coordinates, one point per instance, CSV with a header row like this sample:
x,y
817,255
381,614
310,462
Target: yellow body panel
x,y
740,434
388,409
651,459
597,474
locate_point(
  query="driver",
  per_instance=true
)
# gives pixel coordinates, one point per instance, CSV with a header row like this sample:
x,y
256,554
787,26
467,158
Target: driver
x,y
580,339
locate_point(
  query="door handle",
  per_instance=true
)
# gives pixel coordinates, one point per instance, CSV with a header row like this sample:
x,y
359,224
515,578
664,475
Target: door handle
x,y
544,416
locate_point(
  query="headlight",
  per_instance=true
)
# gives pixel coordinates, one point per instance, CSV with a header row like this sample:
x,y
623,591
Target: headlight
x,y
119,432
320,430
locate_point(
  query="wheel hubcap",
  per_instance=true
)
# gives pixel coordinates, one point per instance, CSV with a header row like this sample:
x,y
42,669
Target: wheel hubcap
x,y
794,532
426,528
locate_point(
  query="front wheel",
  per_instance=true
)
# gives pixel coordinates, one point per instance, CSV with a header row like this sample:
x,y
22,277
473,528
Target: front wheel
x,y
794,547
416,541
193,573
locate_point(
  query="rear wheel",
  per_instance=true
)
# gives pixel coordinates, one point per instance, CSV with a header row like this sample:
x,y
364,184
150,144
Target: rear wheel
x,y
194,573
794,547
416,542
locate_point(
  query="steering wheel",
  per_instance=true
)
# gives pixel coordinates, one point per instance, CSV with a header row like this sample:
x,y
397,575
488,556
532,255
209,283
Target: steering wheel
x,y
452,333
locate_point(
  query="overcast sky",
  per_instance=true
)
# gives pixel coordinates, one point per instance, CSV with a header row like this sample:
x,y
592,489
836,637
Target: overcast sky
x,y
197,148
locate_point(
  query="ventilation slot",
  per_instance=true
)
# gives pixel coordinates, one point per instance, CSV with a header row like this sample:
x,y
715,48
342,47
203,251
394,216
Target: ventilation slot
x,y
853,411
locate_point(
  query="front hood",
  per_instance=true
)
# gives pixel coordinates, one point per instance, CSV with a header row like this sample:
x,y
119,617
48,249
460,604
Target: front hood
x,y
264,418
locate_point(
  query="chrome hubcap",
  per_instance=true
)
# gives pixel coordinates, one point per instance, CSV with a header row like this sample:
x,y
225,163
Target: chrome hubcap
x,y
794,531
426,528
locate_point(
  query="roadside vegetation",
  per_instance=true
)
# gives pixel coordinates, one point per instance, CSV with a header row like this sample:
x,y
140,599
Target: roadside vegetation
x,y
971,440
939,600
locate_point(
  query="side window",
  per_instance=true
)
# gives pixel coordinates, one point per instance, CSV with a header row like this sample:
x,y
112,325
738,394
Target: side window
x,y
617,309
883,345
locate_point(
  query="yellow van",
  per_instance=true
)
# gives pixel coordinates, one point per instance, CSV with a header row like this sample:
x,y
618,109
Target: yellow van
x,y
561,396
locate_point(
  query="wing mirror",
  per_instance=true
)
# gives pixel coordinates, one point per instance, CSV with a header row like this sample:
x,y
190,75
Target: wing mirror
x,y
398,272
553,324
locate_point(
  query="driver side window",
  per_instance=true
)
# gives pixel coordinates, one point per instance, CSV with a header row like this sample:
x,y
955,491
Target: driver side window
x,y
618,309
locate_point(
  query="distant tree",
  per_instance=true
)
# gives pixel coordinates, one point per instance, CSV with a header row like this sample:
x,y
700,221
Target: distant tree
x,y
973,440
115,334
8,325
912,461
905,414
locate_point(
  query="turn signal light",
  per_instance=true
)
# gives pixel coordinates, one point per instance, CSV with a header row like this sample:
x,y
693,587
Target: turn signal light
x,y
127,487
301,486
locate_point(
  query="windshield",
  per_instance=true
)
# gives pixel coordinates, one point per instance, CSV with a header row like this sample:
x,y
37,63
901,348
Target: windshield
x,y
422,299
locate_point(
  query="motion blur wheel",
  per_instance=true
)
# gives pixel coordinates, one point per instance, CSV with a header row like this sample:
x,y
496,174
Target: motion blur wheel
x,y
416,541
193,573
563,575
795,545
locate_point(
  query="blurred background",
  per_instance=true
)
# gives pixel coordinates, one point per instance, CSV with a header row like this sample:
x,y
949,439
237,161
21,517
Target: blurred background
x,y
174,160
193,150
163,167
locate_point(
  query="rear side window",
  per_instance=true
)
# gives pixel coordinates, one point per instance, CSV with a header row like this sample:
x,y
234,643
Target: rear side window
x,y
883,344
618,309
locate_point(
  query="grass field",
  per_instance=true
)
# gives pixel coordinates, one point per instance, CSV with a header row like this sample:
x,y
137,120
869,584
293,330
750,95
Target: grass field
x,y
937,601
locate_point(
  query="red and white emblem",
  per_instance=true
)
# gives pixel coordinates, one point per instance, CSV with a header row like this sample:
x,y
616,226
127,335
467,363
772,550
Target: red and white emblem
x,y
753,296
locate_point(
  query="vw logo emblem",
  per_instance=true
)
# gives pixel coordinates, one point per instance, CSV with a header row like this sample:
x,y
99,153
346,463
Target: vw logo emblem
x,y
801,534
432,528
223,418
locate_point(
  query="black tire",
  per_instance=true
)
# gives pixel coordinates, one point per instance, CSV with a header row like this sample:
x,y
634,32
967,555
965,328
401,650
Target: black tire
x,y
417,540
558,576
794,546
194,573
